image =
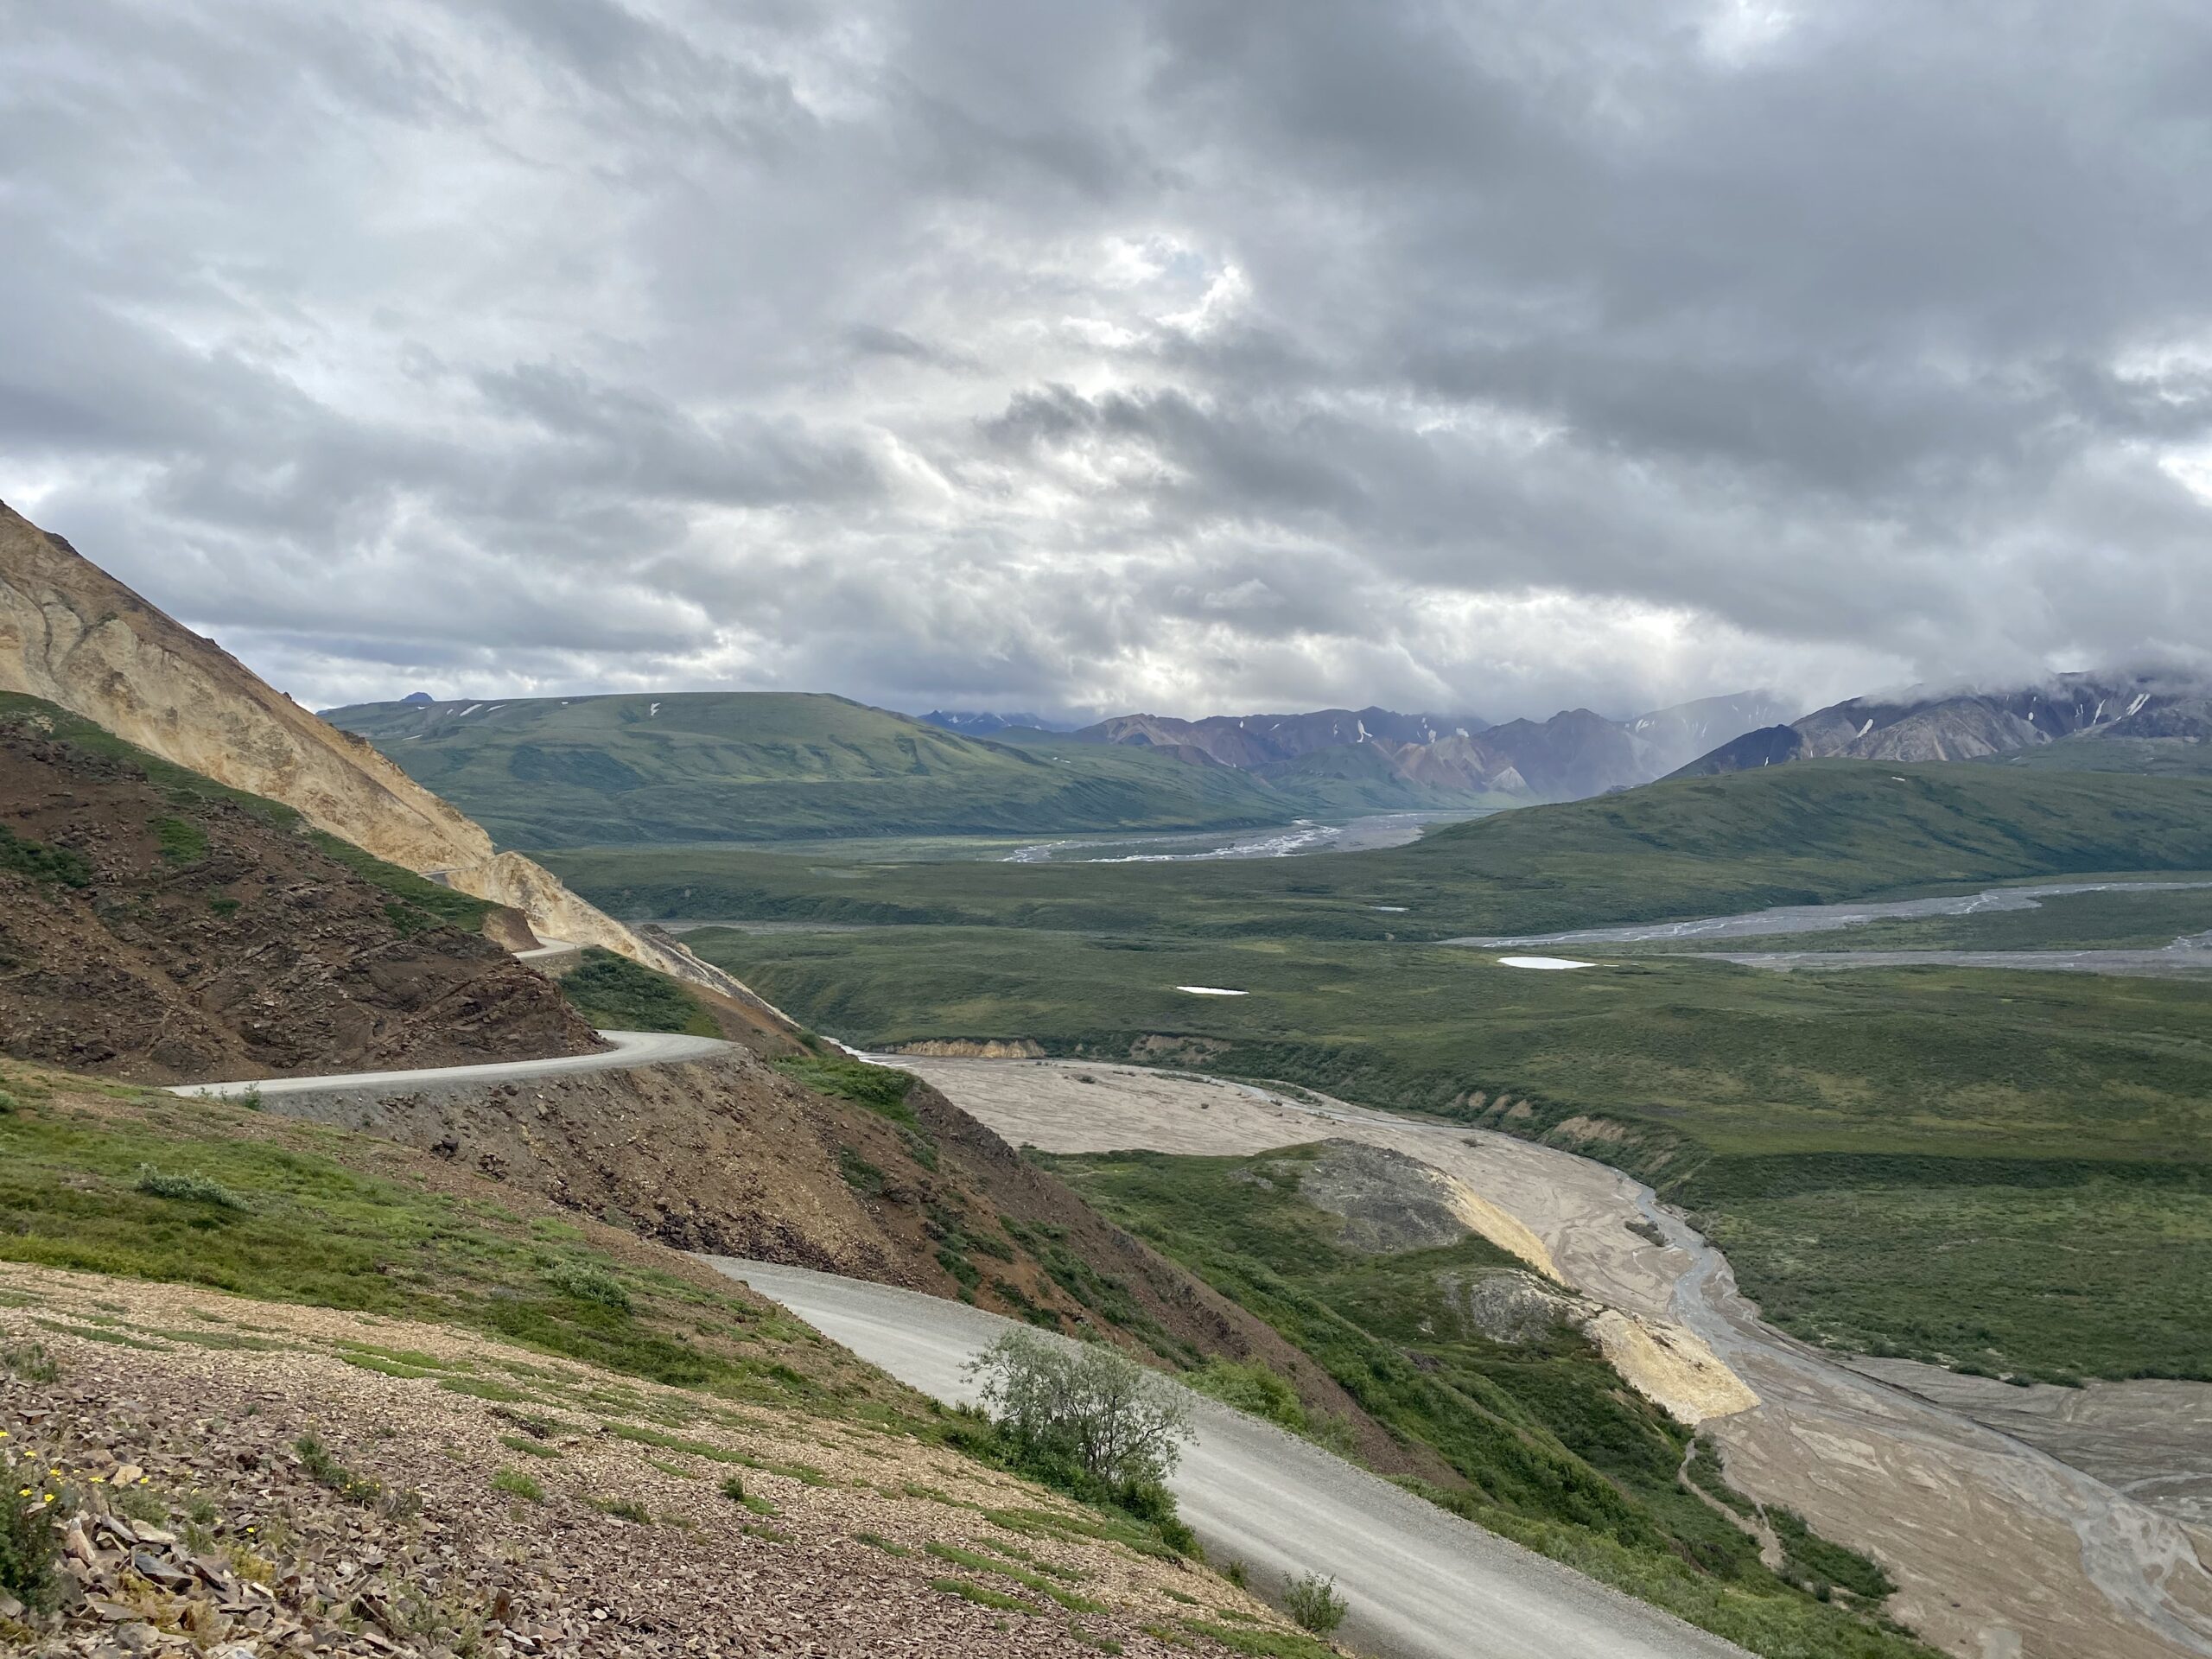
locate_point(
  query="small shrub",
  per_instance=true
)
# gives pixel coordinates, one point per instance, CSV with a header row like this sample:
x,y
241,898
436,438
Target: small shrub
x,y
29,1546
733,1489
315,1459
1235,1573
42,863
860,1175
625,1509
187,1189
521,1486
136,1503
1313,1603
588,1284
1086,1407
29,1361
1251,1387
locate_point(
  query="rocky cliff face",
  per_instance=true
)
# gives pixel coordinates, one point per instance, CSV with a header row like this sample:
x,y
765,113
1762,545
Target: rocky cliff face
x,y
74,635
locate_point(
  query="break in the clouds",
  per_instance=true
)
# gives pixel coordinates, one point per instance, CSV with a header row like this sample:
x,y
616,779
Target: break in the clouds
x,y
1483,356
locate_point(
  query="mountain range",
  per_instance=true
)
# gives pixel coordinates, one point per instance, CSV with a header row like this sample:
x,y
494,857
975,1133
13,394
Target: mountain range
x,y
626,769
1573,754
2100,721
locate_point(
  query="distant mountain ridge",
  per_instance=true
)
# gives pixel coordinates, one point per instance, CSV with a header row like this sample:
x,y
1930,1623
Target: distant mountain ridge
x,y
2054,719
1573,754
972,723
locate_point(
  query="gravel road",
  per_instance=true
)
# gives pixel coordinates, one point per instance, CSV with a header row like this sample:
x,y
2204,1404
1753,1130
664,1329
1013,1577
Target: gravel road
x,y
627,1048
1423,1584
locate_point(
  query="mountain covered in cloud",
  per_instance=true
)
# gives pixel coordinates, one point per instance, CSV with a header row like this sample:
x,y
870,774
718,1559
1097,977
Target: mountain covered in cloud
x,y
1573,754
2104,709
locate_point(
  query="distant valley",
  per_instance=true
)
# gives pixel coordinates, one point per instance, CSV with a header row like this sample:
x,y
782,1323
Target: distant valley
x,y
750,766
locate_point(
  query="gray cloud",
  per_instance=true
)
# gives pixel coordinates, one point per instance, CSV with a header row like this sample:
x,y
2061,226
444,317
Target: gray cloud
x,y
1159,354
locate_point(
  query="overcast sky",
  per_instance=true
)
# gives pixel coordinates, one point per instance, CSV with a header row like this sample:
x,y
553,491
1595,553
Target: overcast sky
x,y
1484,357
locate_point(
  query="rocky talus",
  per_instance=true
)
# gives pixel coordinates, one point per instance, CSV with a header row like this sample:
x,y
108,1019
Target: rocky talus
x,y
247,1481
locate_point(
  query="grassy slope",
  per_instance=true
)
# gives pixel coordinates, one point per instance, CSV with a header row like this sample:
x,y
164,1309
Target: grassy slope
x,y
2165,757
1787,835
286,1211
754,766
1554,1449
327,1219
618,994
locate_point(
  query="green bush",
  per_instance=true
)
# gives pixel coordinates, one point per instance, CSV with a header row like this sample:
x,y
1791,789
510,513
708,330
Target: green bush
x,y
315,1459
183,841
187,1189
860,1175
1313,1603
29,1546
1085,1406
587,1284
1812,1559
1250,1387
519,1484
30,1360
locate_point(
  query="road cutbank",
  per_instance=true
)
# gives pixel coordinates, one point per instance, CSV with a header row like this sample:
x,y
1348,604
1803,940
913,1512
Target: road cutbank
x,y
1419,1580
2002,1552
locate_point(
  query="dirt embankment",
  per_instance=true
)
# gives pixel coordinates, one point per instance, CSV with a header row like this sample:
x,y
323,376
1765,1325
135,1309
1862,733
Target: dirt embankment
x,y
730,1157
166,938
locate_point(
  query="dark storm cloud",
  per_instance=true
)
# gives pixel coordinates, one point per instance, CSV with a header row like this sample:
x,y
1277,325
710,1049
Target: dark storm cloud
x,y
1155,352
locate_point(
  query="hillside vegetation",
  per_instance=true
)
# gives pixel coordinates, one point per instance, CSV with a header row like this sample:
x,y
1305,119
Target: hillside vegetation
x,y
742,766
1807,834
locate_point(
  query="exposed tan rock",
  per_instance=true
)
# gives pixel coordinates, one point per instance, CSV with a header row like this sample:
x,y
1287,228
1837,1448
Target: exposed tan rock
x,y
1018,1049
72,634
1392,1202
1670,1365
